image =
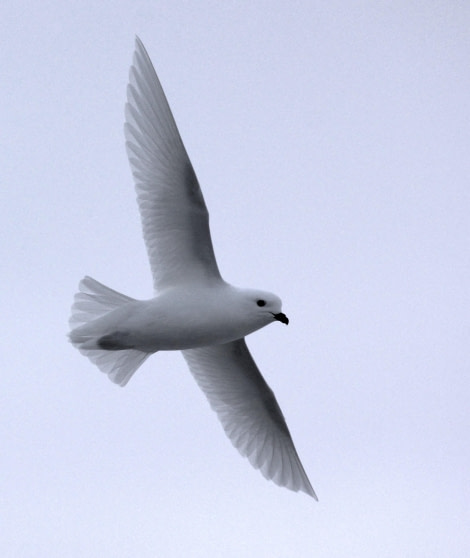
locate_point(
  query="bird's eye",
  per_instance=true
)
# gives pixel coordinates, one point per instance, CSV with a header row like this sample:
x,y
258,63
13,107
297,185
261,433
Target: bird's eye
x,y
261,302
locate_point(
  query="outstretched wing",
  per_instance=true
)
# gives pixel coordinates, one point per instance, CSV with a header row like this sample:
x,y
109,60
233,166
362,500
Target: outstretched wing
x,y
174,216
248,411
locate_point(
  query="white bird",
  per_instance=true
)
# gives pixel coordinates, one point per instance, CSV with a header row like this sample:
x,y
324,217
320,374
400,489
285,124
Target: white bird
x,y
194,310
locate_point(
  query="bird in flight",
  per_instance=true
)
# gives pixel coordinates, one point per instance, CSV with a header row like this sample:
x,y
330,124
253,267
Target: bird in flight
x,y
194,310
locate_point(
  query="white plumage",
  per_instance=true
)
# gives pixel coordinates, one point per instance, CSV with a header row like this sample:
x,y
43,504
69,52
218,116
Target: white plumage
x,y
194,310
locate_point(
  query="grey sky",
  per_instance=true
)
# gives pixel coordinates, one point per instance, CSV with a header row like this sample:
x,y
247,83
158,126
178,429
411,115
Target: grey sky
x,y
331,143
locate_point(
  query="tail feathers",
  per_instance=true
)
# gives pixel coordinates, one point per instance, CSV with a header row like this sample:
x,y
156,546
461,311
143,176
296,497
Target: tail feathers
x,y
94,300
118,365
91,302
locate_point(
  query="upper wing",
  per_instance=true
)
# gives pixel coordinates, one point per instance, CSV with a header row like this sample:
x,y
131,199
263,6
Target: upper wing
x,y
174,216
248,411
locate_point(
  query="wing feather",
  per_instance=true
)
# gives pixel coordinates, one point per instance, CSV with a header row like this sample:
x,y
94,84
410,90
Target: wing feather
x,y
248,411
174,216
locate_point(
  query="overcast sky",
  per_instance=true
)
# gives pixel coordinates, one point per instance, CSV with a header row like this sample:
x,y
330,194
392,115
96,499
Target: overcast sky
x,y
331,141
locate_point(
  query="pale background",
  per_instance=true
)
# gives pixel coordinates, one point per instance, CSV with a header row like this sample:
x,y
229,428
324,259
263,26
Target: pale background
x,y
331,140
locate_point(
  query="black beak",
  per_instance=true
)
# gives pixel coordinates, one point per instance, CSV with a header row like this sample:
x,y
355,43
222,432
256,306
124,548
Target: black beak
x,y
281,318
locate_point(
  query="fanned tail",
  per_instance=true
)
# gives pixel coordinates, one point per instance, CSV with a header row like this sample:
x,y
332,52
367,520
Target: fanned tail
x,y
93,301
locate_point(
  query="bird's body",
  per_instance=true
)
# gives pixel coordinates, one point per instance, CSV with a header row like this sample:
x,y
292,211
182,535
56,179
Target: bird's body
x,y
180,318
194,310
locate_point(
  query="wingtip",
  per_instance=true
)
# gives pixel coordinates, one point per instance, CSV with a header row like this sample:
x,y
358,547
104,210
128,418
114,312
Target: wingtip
x,y
139,46
312,493
307,488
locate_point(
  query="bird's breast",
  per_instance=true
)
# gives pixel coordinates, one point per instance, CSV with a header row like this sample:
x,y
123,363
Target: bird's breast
x,y
165,325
